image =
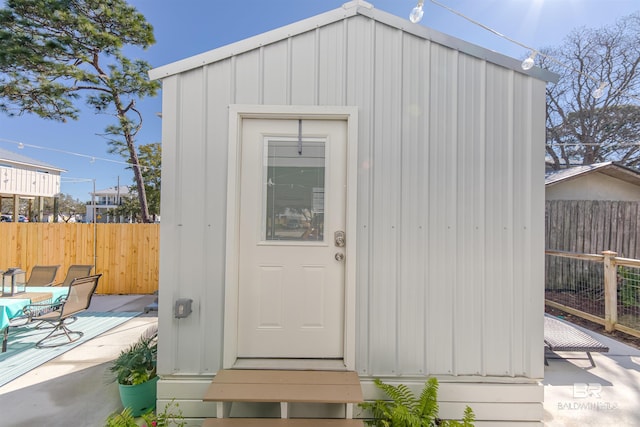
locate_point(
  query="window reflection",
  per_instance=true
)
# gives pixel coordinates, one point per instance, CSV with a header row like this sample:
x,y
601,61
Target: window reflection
x,y
294,190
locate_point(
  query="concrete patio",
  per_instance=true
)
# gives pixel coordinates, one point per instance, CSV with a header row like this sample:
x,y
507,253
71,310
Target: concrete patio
x,y
577,394
76,389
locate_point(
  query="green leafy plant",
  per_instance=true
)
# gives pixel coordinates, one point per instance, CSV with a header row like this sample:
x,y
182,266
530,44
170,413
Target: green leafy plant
x,y
137,364
122,419
406,410
171,416
629,282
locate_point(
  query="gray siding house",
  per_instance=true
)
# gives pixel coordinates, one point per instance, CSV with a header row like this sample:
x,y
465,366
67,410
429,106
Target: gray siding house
x,y
356,192
591,209
599,181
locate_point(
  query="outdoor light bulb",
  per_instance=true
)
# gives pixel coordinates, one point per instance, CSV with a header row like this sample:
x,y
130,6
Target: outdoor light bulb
x,y
528,63
597,94
417,12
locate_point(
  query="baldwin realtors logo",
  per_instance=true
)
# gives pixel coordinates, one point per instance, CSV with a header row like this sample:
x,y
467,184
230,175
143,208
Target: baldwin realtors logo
x,y
587,397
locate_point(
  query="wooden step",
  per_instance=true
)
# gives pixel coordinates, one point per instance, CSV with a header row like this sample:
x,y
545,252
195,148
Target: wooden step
x,y
240,385
280,422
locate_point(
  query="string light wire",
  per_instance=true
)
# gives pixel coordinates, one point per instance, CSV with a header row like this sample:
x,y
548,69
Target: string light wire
x,y
416,16
92,159
70,180
529,62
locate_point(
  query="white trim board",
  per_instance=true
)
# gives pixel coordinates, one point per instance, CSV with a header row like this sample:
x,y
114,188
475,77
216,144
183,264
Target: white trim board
x,y
237,113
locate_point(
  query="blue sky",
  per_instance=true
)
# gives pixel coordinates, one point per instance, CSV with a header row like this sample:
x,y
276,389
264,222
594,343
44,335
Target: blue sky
x,y
188,27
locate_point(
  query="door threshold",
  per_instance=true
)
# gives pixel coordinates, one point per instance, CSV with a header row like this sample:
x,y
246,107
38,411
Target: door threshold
x,y
291,364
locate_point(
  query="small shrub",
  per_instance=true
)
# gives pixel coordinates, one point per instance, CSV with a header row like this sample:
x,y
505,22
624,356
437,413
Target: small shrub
x,y
406,410
629,281
137,364
165,418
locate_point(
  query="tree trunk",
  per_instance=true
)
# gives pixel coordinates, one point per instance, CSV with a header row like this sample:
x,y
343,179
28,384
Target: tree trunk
x,y
133,155
137,173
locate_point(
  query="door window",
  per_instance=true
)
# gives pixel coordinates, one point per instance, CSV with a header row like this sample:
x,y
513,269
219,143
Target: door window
x,y
294,183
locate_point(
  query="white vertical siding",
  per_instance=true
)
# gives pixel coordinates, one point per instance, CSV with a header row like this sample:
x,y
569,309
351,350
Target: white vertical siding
x,y
247,77
218,76
304,69
386,202
186,248
522,174
360,42
442,183
470,217
332,75
498,322
532,304
28,182
412,299
276,74
194,225
169,267
450,219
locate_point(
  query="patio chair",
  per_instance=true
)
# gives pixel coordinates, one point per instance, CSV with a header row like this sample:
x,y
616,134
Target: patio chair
x,y
563,336
81,291
74,271
42,275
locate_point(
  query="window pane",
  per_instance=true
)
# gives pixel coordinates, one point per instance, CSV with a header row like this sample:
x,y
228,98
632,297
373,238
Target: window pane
x,y
294,183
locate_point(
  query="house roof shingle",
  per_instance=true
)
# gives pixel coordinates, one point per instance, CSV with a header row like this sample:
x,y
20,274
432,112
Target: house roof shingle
x,y
16,158
611,169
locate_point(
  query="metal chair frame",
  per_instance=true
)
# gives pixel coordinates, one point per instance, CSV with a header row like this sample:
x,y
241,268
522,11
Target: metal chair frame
x,y
78,299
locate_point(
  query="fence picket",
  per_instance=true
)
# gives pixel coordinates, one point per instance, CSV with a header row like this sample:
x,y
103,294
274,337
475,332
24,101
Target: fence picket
x,y
593,226
126,254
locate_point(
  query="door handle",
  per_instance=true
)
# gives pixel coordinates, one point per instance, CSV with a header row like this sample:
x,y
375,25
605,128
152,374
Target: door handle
x,y
339,256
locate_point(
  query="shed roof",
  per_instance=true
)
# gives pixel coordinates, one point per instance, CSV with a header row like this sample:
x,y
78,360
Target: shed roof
x,y
611,169
348,10
19,159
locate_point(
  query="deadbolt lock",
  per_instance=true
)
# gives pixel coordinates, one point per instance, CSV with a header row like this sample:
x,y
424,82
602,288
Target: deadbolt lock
x,y
339,239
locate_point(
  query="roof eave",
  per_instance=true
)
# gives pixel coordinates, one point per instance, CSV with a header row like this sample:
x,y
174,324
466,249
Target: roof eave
x,y
33,165
252,43
622,173
611,169
346,11
459,44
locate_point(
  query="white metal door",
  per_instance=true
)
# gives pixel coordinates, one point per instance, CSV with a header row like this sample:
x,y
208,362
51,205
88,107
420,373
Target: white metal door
x,y
291,259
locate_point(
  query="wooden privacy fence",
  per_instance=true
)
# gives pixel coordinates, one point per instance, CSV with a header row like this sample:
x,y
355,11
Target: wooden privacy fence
x,y
127,255
593,226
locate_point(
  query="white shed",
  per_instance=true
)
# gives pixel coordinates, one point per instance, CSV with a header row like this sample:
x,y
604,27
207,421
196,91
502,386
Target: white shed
x,y
355,192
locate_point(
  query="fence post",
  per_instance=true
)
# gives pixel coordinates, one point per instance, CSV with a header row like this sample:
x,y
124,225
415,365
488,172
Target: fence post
x,y
610,291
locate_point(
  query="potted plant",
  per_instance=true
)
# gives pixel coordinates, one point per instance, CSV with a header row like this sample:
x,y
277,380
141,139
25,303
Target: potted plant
x,y
135,371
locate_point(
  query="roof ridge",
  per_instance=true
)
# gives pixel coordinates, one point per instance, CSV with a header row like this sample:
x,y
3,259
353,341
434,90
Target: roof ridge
x,y
356,3
347,11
